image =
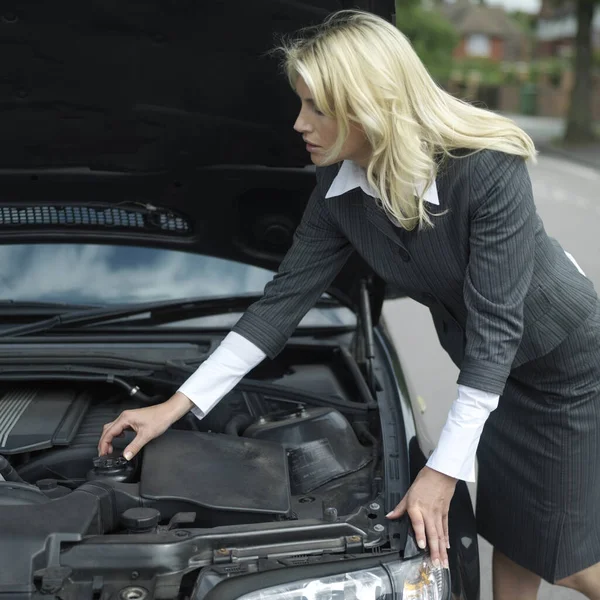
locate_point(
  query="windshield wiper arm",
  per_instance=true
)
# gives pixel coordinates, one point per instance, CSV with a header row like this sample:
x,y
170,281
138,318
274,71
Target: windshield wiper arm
x,y
13,307
193,306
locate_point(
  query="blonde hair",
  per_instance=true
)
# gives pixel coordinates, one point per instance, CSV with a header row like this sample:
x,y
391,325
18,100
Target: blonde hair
x,y
361,70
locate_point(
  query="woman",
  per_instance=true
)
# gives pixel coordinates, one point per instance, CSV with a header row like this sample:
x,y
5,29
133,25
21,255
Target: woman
x,y
447,186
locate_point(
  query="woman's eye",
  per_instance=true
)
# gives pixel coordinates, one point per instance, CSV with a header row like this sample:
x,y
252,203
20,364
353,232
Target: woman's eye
x,y
318,112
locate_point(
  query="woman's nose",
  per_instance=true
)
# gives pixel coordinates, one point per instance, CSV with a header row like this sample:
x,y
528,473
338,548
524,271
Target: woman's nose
x,y
301,125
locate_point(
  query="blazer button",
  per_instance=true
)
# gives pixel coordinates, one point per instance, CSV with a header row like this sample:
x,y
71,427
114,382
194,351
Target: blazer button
x,y
404,255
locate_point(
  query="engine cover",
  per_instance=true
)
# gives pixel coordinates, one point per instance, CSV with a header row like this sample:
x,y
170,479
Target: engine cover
x,y
217,472
321,446
37,418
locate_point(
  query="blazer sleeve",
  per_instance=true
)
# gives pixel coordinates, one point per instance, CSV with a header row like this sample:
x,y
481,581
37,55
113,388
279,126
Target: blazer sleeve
x,y
500,267
318,253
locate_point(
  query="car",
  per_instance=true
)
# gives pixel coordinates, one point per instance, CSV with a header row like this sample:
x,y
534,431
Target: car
x,y
151,184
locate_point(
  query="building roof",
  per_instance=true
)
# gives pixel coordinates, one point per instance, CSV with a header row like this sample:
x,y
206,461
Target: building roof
x,y
476,18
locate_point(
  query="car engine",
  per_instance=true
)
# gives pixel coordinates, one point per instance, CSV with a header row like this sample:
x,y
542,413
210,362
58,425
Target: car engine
x,y
248,462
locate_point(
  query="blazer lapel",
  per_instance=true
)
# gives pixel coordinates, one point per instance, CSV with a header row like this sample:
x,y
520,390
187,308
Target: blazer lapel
x,y
378,218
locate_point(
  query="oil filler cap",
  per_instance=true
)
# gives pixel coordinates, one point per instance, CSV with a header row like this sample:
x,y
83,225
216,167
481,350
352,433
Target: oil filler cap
x,y
112,467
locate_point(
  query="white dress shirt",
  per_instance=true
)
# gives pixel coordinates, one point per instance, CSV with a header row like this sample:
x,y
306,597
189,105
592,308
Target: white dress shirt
x,y
351,176
236,356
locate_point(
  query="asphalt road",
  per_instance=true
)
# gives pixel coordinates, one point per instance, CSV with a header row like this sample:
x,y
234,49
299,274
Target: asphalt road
x,y
568,201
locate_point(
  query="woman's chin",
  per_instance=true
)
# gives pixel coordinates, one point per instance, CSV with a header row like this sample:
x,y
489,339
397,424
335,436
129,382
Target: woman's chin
x,y
319,160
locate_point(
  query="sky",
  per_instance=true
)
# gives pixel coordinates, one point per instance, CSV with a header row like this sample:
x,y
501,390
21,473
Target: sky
x,y
525,5
531,6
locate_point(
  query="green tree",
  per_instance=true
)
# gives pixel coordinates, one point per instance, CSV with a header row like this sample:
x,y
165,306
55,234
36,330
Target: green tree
x,y
526,21
579,118
433,37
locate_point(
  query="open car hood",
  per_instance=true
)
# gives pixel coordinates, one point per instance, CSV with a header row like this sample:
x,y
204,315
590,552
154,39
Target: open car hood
x,y
159,123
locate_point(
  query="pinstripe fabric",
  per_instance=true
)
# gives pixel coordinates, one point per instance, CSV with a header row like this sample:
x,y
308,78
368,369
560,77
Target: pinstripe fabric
x,y
539,473
514,314
501,292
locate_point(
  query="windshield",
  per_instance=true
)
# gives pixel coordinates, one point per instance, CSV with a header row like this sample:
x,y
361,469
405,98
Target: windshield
x,y
112,274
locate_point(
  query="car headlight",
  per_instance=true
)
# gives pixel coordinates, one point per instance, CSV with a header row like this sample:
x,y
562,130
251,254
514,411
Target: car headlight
x,y
415,579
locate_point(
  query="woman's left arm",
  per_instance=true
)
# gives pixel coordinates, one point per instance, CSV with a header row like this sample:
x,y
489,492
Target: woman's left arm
x,y
500,268
501,260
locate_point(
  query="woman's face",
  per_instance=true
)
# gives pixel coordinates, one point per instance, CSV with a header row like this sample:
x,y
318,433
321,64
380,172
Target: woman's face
x,y
320,133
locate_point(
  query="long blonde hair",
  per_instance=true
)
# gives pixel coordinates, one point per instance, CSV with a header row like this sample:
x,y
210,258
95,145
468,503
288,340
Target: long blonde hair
x,y
363,71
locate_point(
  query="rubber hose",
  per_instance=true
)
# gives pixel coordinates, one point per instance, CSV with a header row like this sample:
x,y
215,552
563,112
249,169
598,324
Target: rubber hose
x,y
238,423
7,471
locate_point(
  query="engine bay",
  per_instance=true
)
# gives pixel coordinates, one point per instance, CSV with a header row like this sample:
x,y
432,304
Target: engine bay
x,y
261,455
287,468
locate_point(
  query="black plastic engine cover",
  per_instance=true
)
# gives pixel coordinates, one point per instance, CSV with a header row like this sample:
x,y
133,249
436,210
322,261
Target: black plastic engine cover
x,y
217,472
38,418
320,442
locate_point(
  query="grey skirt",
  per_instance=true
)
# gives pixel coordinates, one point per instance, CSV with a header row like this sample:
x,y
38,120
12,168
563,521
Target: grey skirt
x,y
538,493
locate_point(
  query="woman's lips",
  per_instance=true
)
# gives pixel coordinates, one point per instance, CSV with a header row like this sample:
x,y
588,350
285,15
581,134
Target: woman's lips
x,y
312,148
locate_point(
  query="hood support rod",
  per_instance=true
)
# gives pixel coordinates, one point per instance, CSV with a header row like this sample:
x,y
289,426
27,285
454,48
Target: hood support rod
x,y
366,322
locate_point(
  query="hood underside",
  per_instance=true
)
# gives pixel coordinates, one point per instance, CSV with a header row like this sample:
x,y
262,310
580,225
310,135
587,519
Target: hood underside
x,y
167,113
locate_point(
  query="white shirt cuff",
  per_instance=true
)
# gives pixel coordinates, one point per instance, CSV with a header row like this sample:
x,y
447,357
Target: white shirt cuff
x,y
221,372
456,451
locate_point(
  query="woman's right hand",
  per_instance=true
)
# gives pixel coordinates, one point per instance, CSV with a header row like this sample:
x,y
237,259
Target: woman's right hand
x,y
148,423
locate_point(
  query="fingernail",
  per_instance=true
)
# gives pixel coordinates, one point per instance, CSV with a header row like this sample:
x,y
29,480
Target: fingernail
x,y
421,544
436,563
389,514
128,455
447,545
446,566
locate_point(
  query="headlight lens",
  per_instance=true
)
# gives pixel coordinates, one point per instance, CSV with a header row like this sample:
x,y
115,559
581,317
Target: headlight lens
x,y
415,579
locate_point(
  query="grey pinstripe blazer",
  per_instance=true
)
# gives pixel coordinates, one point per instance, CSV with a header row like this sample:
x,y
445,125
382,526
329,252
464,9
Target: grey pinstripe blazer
x,y
501,291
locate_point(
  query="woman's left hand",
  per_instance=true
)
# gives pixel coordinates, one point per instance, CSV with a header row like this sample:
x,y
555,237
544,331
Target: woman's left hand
x,y
427,503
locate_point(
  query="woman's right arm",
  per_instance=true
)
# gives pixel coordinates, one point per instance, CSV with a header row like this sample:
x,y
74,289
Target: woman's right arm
x,y
148,423
318,253
213,379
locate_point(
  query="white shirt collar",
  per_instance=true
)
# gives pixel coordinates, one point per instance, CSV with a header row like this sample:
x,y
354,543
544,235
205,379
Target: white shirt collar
x,y
351,176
